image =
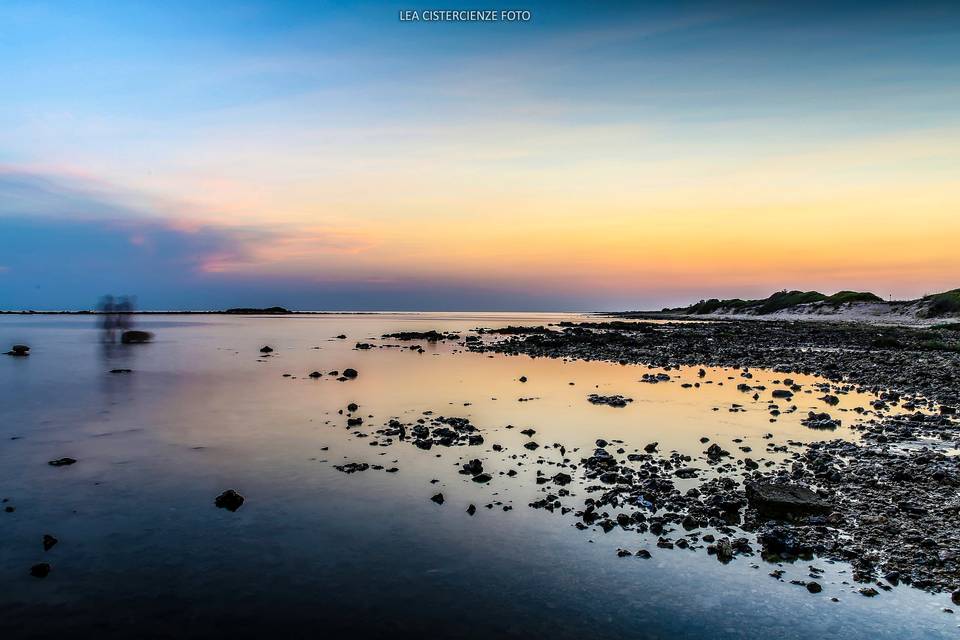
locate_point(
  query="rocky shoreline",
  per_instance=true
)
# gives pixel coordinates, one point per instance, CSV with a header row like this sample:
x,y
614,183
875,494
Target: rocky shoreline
x,y
887,504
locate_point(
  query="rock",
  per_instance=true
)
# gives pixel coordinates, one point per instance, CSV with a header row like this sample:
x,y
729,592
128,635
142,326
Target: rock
x,y
352,467
471,510
472,468
438,498
49,542
955,596
820,421
136,337
40,570
650,448
643,553
612,401
785,498
482,478
20,350
715,452
266,349
352,407
62,462
229,500
523,378
562,479
315,374
532,446
814,587
869,592
350,373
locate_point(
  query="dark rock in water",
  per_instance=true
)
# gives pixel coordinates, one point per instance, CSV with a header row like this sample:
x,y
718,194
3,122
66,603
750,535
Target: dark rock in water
x,y
820,421
229,500
782,393
532,446
352,467
523,378
715,452
955,596
266,349
315,374
19,350
869,592
612,401
471,510
650,448
643,553
785,498
341,337
472,468
528,432
121,370
562,479
62,462
354,422
49,542
438,498
352,407
814,587
40,570
350,373
135,337
623,553
482,478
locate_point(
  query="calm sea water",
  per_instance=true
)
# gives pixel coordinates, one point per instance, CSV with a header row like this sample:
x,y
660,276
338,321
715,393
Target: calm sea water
x,y
143,551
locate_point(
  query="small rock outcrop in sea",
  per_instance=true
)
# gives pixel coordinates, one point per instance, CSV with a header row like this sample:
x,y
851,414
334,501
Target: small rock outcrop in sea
x,y
49,542
20,350
229,500
40,570
136,337
350,373
62,462
611,401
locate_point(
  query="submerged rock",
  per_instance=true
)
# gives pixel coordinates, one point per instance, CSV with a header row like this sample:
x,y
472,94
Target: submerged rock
x,y
229,500
19,350
62,462
40,570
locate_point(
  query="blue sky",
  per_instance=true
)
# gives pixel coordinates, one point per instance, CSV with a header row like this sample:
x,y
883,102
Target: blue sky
x,y
604,155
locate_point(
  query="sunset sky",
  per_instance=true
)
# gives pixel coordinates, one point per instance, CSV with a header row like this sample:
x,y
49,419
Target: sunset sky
x,y
604,155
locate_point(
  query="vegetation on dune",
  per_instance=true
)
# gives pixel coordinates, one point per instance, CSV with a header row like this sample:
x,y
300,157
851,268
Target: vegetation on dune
x,y
935,306
776,302
842,297
941,304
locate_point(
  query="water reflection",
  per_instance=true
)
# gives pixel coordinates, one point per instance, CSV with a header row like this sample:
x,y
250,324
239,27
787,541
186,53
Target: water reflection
x,y
366,553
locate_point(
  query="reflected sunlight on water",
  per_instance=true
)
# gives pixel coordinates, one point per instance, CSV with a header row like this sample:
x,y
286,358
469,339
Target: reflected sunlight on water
x,y
202,410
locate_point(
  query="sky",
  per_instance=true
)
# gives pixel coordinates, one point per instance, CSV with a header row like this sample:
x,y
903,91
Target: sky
x,y
603,155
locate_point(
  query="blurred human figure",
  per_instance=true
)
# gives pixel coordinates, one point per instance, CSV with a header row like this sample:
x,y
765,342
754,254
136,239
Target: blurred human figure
x,y
107,309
